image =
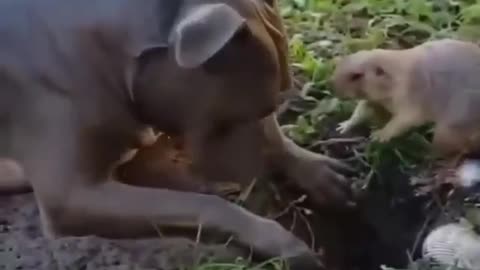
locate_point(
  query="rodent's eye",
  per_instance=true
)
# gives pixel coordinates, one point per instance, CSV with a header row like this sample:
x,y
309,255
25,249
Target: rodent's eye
x,y
355,76
379,71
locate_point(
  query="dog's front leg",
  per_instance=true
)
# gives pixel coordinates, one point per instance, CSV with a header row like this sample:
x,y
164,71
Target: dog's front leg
x,y
76,198
318,175
12,177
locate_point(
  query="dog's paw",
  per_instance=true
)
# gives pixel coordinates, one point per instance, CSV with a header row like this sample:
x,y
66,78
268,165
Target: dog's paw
x,y
324,186
269,239
305,262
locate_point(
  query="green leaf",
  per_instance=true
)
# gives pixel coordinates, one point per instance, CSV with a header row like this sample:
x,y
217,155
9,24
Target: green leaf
x,y
471,14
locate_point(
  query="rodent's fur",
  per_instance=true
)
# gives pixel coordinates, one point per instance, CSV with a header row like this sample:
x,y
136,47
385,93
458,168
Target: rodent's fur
x,y
435,82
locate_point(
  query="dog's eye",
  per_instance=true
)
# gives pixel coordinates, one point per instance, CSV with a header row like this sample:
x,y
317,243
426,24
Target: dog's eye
x,y
355,76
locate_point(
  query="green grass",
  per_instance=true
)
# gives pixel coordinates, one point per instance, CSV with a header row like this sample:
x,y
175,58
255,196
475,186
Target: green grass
x,y
320,30
242,264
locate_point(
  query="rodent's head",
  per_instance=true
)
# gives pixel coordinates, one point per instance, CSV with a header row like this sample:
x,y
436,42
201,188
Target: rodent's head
x,y
364,74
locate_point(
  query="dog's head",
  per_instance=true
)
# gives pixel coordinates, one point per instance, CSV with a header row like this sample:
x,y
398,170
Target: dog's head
x,y
225,63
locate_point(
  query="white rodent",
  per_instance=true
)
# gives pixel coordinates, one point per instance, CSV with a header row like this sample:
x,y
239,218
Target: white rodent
x,y
435,82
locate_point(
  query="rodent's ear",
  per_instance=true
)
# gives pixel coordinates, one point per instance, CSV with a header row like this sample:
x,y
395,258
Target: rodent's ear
x,y
203,31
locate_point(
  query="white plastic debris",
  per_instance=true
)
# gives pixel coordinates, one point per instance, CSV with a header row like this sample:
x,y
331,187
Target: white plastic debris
x,y
469,173
454,244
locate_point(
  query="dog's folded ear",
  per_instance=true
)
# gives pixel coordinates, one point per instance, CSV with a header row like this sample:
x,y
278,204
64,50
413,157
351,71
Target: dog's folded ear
x,y
203,31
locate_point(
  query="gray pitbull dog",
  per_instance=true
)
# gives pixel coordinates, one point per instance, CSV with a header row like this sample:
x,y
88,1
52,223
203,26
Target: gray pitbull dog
x,y
80,79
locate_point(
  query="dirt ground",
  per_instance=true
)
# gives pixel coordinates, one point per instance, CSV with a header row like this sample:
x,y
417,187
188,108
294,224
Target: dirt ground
x,y
387,227
378,232
23,247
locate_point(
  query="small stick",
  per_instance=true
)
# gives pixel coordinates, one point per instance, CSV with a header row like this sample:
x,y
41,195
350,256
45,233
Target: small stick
x,y
336,140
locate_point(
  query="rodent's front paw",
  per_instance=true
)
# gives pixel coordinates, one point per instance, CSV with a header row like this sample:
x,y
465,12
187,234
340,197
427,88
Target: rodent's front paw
x,y
345,126
380,136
